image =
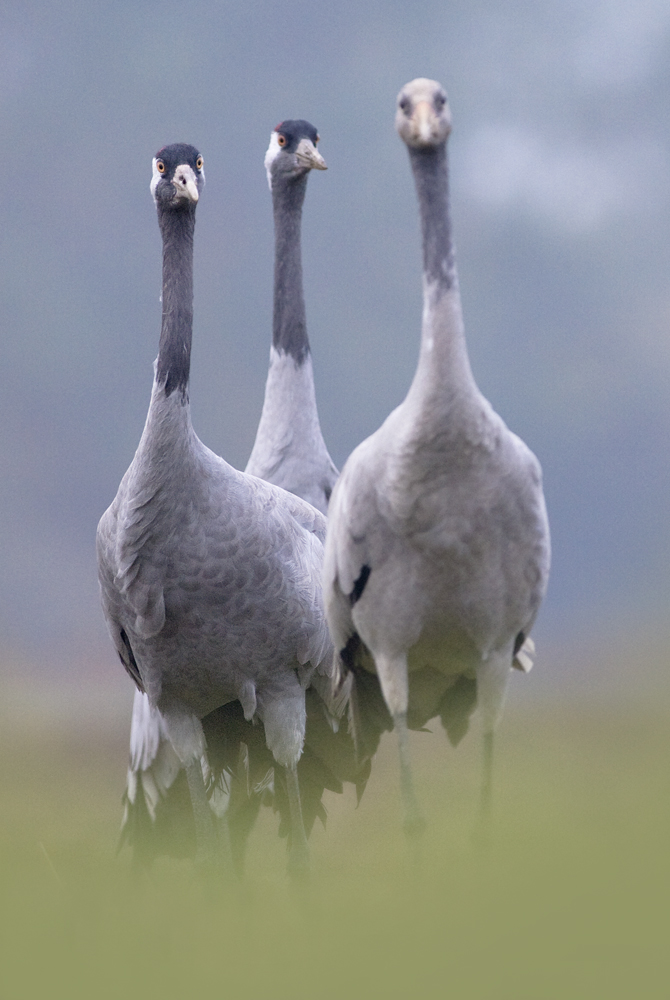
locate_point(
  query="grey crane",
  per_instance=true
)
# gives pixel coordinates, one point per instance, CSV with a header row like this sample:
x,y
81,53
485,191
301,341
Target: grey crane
x,y
291,453
289,449
437,550
210,578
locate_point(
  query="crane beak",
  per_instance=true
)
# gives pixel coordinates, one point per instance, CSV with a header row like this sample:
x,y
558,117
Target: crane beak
x,y
186,183
308,156
424,123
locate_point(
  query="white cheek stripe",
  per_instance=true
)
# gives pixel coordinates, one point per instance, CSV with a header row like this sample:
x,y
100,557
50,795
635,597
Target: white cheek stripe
x,y
274,149
187,174
155,177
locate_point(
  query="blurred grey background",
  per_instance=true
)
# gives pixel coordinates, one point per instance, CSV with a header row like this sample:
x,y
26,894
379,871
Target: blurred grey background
x,y
559,165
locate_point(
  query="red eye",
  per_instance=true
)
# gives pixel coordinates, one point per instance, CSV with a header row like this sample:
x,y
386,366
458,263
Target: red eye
x,y
281,139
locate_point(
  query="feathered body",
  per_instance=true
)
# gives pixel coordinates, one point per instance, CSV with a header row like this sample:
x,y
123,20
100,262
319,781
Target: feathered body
x,y
456,562
209,577
437,552
290,452
213,578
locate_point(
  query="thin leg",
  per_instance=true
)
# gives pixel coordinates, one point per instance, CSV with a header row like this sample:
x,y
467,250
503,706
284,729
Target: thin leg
x,y
205,837
487,778
298,860
481,835
240,819
414,823
492,678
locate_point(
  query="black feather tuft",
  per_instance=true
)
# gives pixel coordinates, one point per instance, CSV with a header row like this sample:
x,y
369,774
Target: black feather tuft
x,y
456,707
129,661
172,833
359,585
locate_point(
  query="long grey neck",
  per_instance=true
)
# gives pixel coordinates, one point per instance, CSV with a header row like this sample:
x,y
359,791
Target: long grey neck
x,y
174,352
289,324
432,188
289,449
443,373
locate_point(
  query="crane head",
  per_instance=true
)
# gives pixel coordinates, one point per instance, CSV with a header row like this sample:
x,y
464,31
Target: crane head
x,y
292,150
177,175
423,118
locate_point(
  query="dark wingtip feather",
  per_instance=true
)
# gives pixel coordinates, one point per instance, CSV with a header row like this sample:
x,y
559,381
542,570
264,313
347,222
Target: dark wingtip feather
x,y
237,747
456,707
369,716
171,834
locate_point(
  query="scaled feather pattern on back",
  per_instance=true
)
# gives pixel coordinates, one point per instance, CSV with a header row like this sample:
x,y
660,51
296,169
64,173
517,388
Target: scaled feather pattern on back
x,y
210,578
289,452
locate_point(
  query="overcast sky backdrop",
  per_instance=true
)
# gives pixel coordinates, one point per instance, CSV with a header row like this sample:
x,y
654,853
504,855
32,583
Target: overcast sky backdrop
x,y
559,157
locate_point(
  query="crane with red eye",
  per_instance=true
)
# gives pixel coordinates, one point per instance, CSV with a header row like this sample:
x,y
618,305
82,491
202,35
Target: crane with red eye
x,y
210,577
290,452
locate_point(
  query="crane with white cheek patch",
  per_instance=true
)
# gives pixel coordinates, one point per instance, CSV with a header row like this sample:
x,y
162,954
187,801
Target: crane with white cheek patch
x,y
209,577
290,452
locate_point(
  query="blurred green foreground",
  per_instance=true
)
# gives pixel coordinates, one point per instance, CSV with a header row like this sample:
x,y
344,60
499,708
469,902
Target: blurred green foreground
x,y
570,900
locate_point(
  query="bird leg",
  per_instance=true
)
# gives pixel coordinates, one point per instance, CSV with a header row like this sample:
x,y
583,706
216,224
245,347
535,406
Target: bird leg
x,y
205,835
492,678
241,816
481,834
414,823
487,779
298,861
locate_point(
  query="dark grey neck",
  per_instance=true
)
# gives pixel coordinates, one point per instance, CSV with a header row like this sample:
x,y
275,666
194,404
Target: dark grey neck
x,y
289,324
174,352
432,187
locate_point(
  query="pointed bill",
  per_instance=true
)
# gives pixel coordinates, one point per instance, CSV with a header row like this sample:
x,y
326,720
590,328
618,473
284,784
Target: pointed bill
x,y
309,156
186,182
424,118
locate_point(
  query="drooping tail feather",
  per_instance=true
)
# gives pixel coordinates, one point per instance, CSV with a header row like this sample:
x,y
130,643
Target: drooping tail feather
x,y
456,707
161,822
453,701
167,828
368,715
327,762
157,818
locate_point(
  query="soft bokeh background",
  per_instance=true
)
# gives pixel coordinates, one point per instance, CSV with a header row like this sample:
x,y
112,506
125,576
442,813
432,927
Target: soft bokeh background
x,y
560,156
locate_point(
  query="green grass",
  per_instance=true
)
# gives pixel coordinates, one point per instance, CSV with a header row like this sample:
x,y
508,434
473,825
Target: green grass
x,y
568,901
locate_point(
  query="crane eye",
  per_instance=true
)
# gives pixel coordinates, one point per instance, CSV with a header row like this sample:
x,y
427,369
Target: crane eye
x,y
160,166
198,163
281,139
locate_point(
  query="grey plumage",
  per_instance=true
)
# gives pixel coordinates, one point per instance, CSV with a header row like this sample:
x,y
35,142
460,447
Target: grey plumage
x,y
289,449
289,452
437,552
210,578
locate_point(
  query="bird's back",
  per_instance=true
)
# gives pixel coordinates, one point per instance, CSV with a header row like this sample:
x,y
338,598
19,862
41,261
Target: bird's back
x,y
215,580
